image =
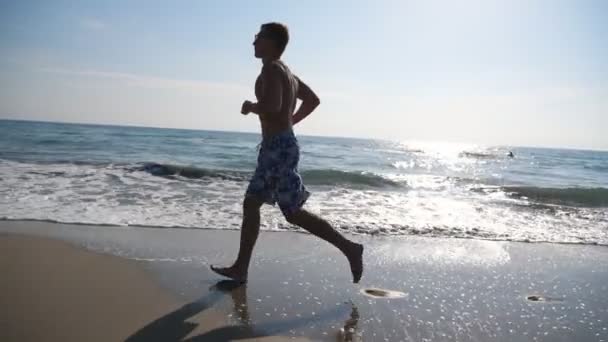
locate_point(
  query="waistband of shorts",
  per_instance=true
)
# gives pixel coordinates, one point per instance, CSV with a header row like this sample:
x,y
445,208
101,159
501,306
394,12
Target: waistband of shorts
x,y
286,134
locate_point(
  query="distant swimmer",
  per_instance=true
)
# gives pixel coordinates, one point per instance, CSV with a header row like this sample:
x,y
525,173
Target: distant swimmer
x,y
510,154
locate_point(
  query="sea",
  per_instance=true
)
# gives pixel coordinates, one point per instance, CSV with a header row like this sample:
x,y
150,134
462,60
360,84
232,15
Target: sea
x,y
195,179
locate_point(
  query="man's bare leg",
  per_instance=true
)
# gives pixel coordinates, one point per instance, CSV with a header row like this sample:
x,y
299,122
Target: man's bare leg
x,y
321,228
250,230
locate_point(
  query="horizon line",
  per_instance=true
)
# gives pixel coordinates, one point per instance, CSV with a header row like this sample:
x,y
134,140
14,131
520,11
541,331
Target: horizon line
x,y
590,149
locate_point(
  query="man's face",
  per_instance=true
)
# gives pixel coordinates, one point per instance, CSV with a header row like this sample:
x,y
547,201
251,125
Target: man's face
x,y
263,45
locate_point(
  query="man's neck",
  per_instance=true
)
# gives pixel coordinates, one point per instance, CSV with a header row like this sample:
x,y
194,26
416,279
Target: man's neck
x,y
270,59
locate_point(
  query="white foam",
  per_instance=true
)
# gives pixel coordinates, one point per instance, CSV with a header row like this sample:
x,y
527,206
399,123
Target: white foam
x,y
431,205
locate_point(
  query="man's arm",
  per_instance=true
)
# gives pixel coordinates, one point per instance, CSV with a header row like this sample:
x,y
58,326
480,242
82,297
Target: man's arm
x,y
272,94
310,101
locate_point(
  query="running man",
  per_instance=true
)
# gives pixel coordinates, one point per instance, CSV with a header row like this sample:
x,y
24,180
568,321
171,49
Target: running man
x,y
276,178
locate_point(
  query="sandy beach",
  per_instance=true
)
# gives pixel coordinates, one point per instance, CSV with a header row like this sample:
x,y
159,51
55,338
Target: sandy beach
x,y
77,282
54,291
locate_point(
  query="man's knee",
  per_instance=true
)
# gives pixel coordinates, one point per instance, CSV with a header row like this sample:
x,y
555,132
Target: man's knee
x,y
252,203
295,217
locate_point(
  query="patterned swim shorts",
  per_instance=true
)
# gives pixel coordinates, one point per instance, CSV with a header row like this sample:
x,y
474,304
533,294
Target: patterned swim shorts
x,y
276,178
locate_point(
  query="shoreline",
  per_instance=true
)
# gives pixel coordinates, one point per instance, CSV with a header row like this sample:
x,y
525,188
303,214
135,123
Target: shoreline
x,y
300,231
299,287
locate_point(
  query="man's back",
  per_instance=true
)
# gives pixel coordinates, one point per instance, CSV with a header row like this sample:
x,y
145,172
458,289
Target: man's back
x,y
277,77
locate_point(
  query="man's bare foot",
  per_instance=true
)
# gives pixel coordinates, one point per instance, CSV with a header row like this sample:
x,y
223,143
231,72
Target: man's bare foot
x,y
231,272
355,258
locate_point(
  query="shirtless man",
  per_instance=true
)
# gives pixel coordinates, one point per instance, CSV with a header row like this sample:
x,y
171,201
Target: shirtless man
x,y
276,178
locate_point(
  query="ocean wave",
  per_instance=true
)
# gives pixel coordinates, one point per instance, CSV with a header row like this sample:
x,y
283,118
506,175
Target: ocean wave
x,y
51,142
312,177
13,157
485,155
596,167
578,197
337,177
190,172
351,179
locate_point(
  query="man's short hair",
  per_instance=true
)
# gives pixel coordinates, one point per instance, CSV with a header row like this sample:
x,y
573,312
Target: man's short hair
x,y
278,33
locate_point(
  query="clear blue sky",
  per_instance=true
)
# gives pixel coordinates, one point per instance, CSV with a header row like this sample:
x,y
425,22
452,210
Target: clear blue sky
x,y
486,72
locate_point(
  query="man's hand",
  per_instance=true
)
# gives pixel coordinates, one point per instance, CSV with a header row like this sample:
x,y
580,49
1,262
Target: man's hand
x,y
247,107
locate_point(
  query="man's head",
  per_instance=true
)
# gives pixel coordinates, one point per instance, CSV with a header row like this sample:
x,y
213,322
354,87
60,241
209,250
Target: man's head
x,y
271,41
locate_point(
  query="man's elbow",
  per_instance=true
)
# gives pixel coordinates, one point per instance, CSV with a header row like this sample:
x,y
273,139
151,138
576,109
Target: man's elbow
x,y
314,102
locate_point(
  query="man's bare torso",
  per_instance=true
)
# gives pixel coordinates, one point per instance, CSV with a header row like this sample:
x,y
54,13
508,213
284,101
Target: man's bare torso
x,y
281,121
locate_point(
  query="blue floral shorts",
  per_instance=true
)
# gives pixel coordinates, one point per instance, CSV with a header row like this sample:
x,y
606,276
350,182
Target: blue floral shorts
x,y
276,178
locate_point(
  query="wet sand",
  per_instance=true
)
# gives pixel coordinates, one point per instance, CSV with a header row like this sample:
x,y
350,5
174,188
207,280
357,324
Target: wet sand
x,y
413,289
54,291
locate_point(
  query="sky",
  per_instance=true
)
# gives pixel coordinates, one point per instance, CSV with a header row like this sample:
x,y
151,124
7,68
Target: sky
x,y
524,73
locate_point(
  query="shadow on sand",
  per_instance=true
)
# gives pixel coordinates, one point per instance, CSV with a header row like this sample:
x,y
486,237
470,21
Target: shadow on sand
x,y
173,326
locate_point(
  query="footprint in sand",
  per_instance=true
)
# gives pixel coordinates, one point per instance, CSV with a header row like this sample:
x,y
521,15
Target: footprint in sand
x,y
381,293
